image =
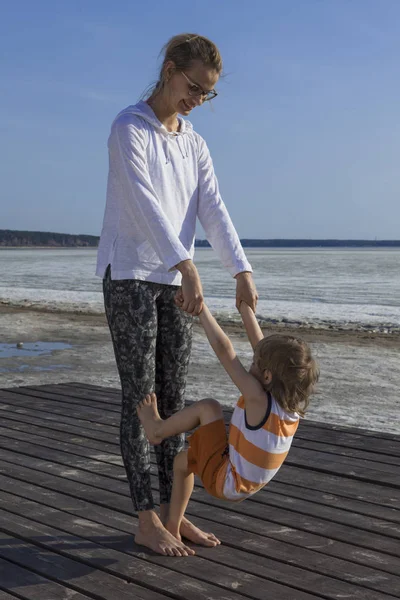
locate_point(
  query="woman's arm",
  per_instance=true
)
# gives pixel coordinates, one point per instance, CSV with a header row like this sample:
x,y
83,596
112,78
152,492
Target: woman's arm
x,y
220,231
189,297
246,291
215,219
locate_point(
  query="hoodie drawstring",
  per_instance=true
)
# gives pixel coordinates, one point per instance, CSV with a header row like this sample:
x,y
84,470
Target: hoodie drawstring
x,y
182,147
166,149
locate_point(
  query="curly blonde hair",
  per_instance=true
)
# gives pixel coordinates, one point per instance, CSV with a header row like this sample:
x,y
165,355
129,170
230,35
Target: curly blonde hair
x,y
293,369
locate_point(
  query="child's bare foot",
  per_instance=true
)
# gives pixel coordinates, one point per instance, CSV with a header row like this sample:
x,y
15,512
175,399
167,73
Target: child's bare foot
x,y
193,534
149,417
158,539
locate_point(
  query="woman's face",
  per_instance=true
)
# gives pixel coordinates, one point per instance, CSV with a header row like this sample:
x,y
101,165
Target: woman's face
x,y
190,88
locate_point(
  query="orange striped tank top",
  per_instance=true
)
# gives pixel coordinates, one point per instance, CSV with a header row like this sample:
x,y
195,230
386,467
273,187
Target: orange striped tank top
x,y
255,453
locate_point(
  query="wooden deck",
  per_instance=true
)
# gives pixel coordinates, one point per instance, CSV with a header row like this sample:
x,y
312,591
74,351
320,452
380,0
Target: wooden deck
x,y
328,526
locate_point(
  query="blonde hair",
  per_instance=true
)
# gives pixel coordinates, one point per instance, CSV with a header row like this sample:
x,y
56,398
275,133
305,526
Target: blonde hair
x,y
293,369
183,50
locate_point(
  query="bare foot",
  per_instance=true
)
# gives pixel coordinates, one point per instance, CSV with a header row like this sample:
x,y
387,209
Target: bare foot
x,y
194,534
149,417
158,539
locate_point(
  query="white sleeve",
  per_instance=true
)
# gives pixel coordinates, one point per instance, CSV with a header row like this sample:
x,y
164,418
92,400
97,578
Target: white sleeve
x,y
142,203
215,219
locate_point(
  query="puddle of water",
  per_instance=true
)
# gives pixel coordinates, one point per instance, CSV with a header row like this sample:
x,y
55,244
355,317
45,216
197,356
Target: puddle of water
x,y
31,349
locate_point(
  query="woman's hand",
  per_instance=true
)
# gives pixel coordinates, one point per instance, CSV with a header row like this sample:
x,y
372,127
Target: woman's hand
x,y
189,297
246,290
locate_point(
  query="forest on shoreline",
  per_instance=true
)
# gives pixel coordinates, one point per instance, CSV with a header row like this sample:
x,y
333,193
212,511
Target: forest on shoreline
x,y
15,238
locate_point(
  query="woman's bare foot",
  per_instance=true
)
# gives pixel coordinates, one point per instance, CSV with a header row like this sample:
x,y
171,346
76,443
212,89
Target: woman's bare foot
x,y
149,417
153,535
193,534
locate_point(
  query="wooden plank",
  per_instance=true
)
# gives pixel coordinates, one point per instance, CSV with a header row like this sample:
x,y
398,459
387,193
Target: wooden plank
x,y
103,391
54,422
287,520
107,471
90,415
55,444
301,456
89,530
56,433
286,517
53,539
114,394
324,482
286,496
66,390
389,447
111,401
292,492
64,397
109,514
144,578
283,517
333,483
7,596
347,439
31,586
363,470
369,433
63,416
79,576
306,423
371,456
276,500
344,467
224,577
289,492
120,501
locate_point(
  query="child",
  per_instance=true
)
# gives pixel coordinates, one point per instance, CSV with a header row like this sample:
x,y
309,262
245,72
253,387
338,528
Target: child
x,y
275,391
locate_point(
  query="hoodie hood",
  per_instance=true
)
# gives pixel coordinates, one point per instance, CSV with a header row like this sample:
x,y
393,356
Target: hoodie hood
x,y
143,110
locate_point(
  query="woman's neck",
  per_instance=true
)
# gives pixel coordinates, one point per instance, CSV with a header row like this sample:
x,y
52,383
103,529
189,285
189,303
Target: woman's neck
x,y
160,108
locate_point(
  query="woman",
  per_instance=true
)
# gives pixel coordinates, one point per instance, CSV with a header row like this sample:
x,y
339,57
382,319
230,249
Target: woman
x,y
160,179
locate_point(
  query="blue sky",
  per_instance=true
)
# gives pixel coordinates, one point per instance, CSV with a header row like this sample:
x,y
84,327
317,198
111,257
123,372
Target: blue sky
x,y
304,134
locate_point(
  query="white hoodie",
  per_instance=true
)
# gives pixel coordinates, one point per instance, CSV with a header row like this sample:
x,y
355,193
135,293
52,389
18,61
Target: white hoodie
x,y
158,183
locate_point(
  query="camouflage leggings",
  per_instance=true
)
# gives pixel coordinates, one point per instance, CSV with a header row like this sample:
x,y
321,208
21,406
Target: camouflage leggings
x,y
152,341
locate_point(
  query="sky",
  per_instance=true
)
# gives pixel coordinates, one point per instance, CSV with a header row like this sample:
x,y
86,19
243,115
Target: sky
x,y
304,134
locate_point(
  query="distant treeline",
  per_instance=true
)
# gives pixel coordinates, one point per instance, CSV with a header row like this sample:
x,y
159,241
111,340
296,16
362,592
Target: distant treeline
x,y
9,237
248,243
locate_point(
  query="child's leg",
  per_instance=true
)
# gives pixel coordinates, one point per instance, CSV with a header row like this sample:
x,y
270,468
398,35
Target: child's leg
x,y
157,429
182,488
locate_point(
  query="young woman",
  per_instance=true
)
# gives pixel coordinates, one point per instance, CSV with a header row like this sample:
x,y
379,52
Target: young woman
x,y
161,179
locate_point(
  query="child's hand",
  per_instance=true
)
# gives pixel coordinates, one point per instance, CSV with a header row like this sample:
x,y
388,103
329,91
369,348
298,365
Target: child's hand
x,y
179,298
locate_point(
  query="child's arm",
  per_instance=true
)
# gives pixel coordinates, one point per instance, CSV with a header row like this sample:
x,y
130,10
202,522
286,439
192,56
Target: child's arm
x,y
248,385
250,322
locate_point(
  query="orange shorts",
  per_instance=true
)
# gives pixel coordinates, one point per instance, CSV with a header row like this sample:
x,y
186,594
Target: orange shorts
x,y
208,456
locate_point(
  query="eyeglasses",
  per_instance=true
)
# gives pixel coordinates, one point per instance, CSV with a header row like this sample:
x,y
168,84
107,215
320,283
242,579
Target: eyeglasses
x,y
195,90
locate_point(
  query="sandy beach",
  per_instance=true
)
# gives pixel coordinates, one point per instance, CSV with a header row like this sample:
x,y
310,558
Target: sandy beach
x,y
360,372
